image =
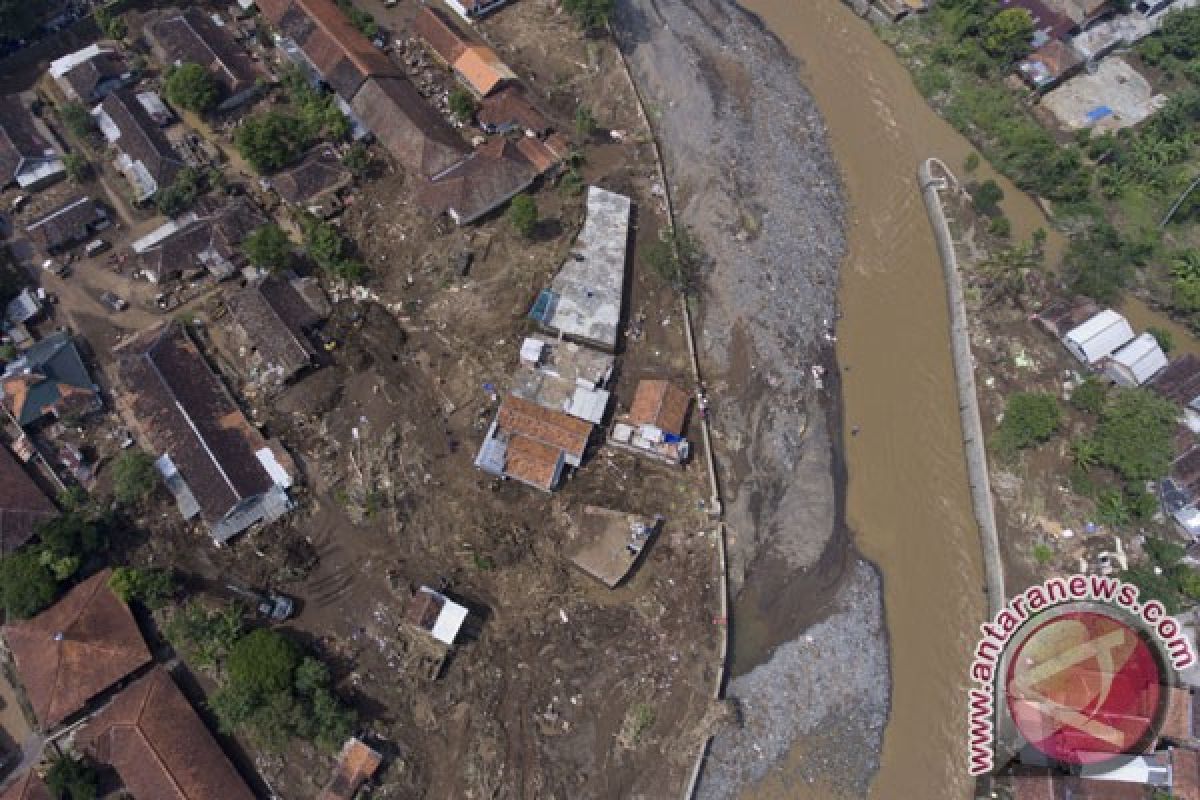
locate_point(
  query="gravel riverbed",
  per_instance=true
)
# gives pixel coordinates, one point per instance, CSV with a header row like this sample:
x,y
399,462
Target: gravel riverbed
x,y
753,178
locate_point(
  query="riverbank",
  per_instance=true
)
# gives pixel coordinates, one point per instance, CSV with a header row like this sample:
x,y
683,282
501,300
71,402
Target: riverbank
x,y
752,177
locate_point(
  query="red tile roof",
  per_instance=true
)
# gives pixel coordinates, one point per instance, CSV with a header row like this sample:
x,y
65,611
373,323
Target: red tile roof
x,y
661,404
356,764
75,649
412,131
443,37
521,418
158,745
23,505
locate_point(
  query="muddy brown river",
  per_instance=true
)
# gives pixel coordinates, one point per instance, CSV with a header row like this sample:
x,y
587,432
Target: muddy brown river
x,y
907,500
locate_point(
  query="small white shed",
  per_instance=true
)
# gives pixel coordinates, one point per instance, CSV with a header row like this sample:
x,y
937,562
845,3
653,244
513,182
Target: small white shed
x,y
1099,337
1136,362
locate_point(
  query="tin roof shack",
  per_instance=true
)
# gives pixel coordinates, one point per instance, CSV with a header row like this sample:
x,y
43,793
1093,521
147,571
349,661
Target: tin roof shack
x,y
357,763
28,786
215,463
655,423
532,444
91,74
1180,383
1052,62
69,224
1136,362
191,37
564,377
49,379
1180,491
314,183
475,65
144,155
29,155
1098,338
159,747
584,300
271,321
606,544
23,504
75,650
205,241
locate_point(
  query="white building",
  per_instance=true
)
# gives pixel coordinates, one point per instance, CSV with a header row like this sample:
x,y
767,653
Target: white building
x,y
1099,337
1136,362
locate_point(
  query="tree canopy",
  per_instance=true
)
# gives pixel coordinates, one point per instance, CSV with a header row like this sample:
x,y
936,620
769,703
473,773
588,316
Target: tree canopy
x,y
590,14
26,584
193,87
134,476
1134,436
523,215
1030,418
268,247
150,587
1008,34
72,779
270,141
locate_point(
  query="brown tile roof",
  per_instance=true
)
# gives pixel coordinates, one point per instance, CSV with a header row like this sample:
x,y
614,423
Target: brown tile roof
x,y
662,404
521,418
20,139
1177,723
546,154
85,78
184,410
75,649
1057,57
23,505
532,462
1180,381
29,786
320,172
412,131
356,764
272,317
191,37
511,107
158,745
424,608
1045,19
211,242
480,183
141,138
70,222
443,37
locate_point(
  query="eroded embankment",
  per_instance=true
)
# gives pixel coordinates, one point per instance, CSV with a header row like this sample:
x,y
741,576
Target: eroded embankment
x,y
752,176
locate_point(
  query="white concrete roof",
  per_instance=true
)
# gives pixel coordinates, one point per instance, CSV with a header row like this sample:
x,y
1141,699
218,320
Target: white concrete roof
x,y
1142,357
1100,335
61,66
449,621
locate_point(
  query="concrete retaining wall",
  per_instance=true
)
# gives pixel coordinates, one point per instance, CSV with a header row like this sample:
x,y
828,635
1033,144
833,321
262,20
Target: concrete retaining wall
x,y
936,178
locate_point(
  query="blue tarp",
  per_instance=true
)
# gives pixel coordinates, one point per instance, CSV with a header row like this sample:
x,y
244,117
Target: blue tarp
x,y
1099,113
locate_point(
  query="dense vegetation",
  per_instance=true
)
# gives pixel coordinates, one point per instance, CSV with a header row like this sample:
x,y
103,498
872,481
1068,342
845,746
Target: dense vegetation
x,y
1111,190
268,247
523,215
272,140
329,250
30,578
192,87
1030,418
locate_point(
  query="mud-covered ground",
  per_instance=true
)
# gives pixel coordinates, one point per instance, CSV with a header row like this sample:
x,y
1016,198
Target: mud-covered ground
x,y
753,178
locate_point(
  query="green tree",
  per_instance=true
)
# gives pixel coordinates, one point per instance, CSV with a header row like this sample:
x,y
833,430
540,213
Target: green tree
x,y
203,635
73,533
262,662
270,141
77,119
268,247
1030,418
589,14
111,23
77,167
72,779
1089,396
328,249
18,18
357,159
26,584
182,194
134,476
1185,274
987,196
193,87
1135,434
1009,35
150,587
585,123
523,215
1163,336
462,104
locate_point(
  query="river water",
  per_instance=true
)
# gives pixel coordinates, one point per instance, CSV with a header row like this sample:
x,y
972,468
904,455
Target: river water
x,y
907,500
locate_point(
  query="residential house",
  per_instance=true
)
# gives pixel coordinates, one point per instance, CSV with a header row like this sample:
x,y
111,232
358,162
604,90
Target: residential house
x,y
159,747
29,786
545,155
29,156
654,425
532,444
564,376
1060,317
606,543
1180,491
475,65
404,123
315,182
144,155
1084,13
436,614
202,242
1136,362
474,9
91,74
271,321
25,306
1098,338
1048,24
215,463
584,300
356,764
510,109
1180,383
23,504
75,650
49,379
479,184
1051,63
68,224
190,36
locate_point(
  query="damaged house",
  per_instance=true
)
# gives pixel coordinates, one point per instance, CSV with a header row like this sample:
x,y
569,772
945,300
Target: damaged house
x,y
49,380
202,242
30,158
191,37
91,74
215,463
144,155
655,422
532,444
271,321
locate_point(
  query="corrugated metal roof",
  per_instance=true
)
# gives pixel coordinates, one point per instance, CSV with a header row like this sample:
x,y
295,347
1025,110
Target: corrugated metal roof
x,y
1100,335
1142,357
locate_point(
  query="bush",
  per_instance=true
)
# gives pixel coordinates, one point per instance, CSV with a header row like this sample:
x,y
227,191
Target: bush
x,y
180,195
523,215
462,104
202,635
271,141
26,584
987,196
328,249
590,14
1000,227
267,247
357,159
77,167
1135,434
1030,418
1164,338
150,587
77,119
111,23
971,162
1042,553
134,476
677,258
192,87
1089,396
585,123
72,779
262,662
